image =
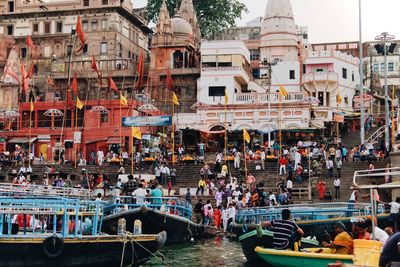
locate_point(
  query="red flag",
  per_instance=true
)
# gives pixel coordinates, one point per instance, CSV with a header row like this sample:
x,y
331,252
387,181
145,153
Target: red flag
x,y
50,81
25,81
29,42
140,72
170,82
74,84
112,85
30,72
69,98
80,33
100,77
94,65
9,71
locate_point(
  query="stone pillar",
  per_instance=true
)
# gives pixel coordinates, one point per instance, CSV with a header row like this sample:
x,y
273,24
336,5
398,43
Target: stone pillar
x,y
395,161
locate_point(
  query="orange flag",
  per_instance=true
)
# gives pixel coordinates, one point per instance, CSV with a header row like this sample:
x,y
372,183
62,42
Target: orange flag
x,y
9,71
80,33
140,71
94,65
69,99
74,84
30,72
170,82
50,81
25,81
29,42
112,85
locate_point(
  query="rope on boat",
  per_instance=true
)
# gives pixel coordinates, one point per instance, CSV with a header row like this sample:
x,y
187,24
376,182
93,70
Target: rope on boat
x,y
123,252
161,259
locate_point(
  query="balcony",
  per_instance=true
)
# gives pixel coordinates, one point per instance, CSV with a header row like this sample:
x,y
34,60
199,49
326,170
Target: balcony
x,y
263,98
330,77
114,67
242,74
326,80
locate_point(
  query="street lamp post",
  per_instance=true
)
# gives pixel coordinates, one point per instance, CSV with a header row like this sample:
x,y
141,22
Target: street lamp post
x,y
362,120
385,37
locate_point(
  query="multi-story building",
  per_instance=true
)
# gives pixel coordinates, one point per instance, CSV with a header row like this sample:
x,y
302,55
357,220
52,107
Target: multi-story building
x,y
285,58
226,70
175,49
115,34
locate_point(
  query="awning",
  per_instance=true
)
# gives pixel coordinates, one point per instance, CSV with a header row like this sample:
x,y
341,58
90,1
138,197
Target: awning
x,y
22,140
113,140
97,140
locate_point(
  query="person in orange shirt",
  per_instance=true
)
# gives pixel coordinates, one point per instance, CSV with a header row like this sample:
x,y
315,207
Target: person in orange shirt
x,y
217,217
360,230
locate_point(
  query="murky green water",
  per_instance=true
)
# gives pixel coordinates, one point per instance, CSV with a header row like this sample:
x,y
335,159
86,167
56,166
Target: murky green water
x,y
218,251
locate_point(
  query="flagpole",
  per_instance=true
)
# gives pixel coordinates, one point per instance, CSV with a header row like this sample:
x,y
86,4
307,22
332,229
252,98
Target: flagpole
x,y
337,124
173,132
280,125
76,129
132,153
244,154
30,133
393,125
120,129
226,133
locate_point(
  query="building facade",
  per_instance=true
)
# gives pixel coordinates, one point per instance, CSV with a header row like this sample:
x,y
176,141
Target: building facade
x,y
115,34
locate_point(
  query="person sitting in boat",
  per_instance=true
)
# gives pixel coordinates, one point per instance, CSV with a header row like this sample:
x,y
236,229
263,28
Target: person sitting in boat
x,y
360,231
286,231
391,251
343,242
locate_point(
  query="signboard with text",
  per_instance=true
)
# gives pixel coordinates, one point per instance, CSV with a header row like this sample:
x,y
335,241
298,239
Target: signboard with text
x,y
147,121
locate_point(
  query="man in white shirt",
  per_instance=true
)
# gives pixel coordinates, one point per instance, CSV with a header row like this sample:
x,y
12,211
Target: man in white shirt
x,y
140,194
336,183
289,185
263,160
297,159
272,198
395,206
22,170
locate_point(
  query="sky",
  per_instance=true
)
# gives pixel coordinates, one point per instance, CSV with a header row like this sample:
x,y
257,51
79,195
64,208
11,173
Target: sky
x,y
333,20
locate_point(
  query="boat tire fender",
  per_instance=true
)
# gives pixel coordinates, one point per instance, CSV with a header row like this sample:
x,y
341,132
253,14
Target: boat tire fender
x,y
53,246
245,228
189,234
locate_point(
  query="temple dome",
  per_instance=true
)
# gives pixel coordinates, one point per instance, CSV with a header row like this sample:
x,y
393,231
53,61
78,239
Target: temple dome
x,y
181,26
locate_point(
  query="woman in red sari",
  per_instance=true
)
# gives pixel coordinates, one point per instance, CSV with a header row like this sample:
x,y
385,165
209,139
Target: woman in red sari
x,y
217,217
321,187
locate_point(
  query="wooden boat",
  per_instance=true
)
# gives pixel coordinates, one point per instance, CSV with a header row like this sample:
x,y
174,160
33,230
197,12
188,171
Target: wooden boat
x,y
168,214
314,219
288,258
66,233
264,238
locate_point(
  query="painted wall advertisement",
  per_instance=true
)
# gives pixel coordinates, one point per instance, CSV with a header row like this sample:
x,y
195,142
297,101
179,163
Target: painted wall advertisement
x,y
147,121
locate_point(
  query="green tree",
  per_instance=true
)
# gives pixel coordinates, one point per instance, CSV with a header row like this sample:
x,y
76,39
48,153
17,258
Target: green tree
x,y
213,15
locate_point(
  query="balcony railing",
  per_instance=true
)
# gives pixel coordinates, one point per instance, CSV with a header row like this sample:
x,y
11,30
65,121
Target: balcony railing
x,y
320,77
262,98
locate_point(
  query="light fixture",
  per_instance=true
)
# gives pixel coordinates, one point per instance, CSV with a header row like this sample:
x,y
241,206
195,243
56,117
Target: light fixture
x,y
148,107
100,109
53,113
200,106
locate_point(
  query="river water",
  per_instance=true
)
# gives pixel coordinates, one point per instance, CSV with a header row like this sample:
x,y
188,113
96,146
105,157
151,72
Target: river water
x,y
218,251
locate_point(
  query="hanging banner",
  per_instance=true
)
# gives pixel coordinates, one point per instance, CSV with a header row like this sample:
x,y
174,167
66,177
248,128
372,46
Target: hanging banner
x,y
77,137
147,121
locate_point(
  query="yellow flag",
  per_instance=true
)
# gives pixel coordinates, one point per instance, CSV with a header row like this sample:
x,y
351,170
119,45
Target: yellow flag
x,y
226,98
339,98
282,91
136,133
123,101
32,108
79,104
175,99
246,136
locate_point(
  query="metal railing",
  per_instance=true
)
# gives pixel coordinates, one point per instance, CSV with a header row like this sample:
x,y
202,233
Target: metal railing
x,y
54,214
266,97
42,190
169,205
382,173
311,212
